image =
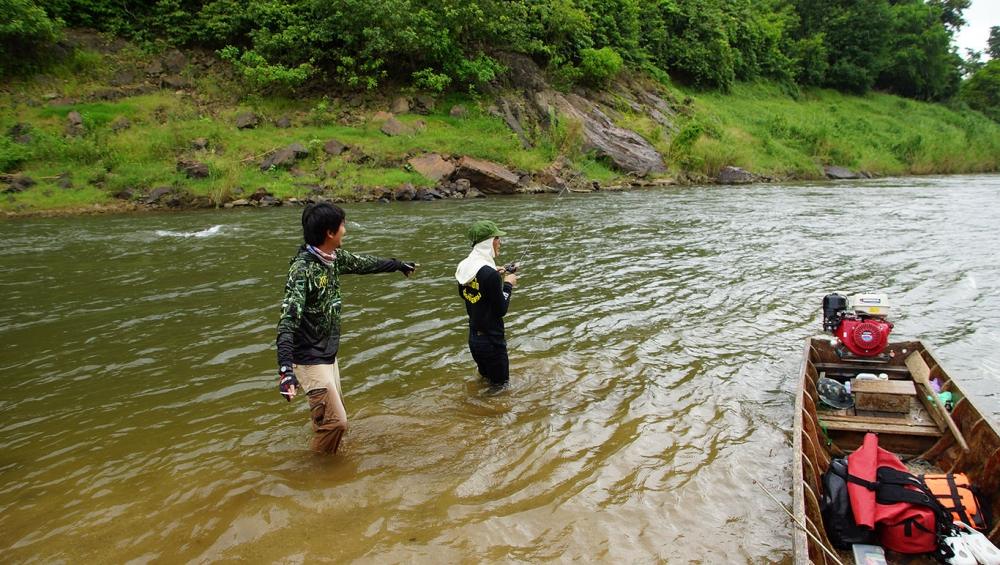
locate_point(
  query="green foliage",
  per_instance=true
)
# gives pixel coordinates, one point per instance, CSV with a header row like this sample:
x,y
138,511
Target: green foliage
x,y
982,90
25,27
12,155
920,62
993,43
427,79
262,75
599,66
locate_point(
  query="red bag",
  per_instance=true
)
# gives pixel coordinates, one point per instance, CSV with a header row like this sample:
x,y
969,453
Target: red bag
x,y
885,497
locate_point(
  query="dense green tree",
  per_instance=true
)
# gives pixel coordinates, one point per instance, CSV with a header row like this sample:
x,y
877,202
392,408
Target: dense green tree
x,y
993,43
982,90
24,28
920,62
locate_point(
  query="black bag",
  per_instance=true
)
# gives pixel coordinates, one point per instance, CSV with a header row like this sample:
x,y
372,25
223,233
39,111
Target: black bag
x,y
838,518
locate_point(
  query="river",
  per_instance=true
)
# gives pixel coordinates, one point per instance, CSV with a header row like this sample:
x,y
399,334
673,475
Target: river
x,y
655,339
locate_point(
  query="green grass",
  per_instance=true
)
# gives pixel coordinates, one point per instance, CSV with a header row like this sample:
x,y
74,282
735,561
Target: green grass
x,y
757,126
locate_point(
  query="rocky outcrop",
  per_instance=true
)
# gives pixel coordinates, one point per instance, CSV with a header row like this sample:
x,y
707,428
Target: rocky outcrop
x,y
488,177
432,166
628,150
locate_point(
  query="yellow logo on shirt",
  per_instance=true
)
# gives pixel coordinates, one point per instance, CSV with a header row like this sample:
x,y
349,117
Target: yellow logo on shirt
x,y
323,279
471,292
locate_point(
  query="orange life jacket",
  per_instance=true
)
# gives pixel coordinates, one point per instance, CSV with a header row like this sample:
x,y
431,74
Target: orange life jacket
x,y
954,492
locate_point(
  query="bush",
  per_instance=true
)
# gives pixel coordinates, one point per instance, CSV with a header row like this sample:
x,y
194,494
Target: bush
x,y
12,155
599,66
982,90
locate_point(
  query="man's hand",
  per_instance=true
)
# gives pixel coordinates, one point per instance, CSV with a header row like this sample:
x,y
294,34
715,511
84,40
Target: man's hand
x,y
288,385
408,268
511,278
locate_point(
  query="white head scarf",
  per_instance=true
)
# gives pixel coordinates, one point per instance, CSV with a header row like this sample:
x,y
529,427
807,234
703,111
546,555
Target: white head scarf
x,y
482,254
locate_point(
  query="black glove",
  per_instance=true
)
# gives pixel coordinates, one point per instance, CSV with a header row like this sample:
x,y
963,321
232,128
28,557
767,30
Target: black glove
x,y
287,382
509,268
407,267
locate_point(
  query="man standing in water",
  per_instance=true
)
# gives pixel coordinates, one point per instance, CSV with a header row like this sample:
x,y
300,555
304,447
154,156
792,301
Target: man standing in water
x,y
486,299
309,327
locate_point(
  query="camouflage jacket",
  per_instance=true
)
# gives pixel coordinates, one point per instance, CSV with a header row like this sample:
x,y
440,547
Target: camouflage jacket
x,y
309,327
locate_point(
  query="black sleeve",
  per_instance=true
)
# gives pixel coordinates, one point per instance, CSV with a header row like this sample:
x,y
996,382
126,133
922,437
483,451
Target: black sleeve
x,y
496,291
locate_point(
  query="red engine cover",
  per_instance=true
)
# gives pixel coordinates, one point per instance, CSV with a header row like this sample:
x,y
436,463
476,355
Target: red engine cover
x,y
864,338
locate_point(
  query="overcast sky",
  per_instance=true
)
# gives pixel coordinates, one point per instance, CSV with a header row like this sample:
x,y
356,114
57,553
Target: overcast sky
x,y
980,16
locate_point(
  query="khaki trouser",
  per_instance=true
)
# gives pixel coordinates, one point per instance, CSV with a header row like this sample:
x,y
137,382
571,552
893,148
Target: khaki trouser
x,y
326,404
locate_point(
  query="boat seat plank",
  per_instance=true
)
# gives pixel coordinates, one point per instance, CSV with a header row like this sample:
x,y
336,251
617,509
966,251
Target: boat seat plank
x,y
855,368
850,423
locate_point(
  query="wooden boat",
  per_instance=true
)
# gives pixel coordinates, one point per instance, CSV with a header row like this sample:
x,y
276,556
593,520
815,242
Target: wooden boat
x,y
922,438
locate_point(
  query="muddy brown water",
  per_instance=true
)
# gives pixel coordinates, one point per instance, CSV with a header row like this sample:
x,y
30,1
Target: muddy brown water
x,y
655,339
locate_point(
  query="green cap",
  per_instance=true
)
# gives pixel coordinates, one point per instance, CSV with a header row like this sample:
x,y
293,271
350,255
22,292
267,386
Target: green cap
x,y
483,230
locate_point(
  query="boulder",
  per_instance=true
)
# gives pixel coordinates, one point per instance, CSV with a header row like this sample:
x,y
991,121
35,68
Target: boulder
x,y
283,158
423,104
458,111
175,61
734,175
74,123
199,144
424,194
474,193
17,183
247,120
108,94
193,169
334,147
393,127
125,194
462,185
381,116
299,150
157,194
432,166
405,192
154,69
488,177
123,78
400,105
841,173
284,122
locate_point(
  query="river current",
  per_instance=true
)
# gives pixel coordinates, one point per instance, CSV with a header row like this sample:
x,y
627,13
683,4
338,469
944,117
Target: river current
x,y
655,340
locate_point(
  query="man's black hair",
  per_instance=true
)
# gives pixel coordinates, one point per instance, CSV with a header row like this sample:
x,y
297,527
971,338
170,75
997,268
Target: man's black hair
x,y
318,218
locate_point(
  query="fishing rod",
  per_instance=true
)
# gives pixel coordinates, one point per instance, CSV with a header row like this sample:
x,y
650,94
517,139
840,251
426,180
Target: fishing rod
x,y
796,520
512,267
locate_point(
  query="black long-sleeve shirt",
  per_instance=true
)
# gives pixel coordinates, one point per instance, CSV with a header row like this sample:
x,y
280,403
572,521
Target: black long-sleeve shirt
x,y
486,300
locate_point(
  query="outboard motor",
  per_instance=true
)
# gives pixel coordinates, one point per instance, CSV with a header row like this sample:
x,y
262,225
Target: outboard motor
x,y
858,323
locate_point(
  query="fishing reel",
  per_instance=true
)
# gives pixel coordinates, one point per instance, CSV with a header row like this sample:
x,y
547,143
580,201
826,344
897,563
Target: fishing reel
x,y
509,268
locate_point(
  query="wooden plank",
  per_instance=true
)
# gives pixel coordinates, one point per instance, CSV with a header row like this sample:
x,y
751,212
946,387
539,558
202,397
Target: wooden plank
x,y
852,367
883,396
879,425
883,387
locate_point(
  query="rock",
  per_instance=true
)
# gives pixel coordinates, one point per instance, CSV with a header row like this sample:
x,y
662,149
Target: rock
x,y
299,150
488,177
423,194
260,194
462,185
108,94
65,181
284,122
125,194
474,193
193,169
121,123
158,194
626,149
432,166
841,173
734,175
405,192
19,133
381,116
123,78
175,82
74,123
17,183
199,144
334,147
424,104
175,61
280,158
400,105
154,69
458,111
240,203
247,120
513,121
393,127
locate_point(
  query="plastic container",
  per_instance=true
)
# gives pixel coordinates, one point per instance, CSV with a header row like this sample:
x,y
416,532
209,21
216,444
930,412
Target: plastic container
x,y
868,554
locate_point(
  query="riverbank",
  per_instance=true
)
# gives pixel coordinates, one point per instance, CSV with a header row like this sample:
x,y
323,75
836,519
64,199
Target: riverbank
x,y
113,129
